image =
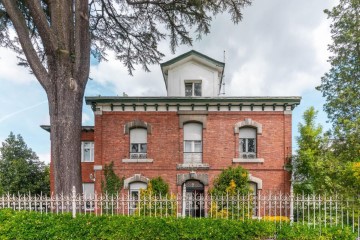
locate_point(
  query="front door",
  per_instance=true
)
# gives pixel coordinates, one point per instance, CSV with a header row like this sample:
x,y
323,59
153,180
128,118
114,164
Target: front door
x,y
194,198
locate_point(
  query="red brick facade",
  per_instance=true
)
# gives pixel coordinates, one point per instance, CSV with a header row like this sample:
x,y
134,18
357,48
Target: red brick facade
x,y
165,146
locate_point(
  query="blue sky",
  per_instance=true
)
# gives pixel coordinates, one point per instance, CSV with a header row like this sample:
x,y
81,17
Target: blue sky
x,y
279,49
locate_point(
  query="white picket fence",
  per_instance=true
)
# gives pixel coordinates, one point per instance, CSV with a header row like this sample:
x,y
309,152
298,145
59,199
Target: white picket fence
x,y
313,211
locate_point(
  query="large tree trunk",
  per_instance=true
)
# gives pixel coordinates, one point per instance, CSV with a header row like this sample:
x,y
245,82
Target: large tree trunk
x,y
65,107
65,39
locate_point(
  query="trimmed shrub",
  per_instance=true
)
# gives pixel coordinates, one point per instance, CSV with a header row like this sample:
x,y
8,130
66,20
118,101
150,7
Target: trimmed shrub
x,y
32,225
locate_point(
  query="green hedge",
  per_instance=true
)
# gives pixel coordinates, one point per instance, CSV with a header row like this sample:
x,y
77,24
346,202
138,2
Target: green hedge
x,y
32,225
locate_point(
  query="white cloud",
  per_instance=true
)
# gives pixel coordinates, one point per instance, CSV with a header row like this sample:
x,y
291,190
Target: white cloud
x,y
10,71
44,157
113,73
249,79
278,54
321,38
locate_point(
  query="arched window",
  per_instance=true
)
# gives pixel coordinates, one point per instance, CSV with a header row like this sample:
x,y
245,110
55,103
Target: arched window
x,y
192,143
247,142
138,143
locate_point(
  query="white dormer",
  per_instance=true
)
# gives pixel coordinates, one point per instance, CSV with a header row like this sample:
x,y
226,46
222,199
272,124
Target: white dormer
x,y
193,74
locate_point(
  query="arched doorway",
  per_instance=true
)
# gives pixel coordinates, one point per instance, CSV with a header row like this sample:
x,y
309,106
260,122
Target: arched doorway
x,y
193,201
134,195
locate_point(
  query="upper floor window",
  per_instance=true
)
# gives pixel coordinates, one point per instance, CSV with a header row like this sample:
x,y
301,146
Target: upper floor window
x,y
247,142
87,151
192,143
138,143
193,88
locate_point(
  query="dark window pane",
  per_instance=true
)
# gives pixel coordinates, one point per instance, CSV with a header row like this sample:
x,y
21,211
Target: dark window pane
x,y
143,147
251,145
188,89
197,89
134,147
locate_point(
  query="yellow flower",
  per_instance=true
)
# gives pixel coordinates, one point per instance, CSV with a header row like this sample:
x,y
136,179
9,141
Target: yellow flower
x,y
276,218
232,187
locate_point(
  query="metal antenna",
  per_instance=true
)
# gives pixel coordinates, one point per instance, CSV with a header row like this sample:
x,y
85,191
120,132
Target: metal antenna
x,y
223,77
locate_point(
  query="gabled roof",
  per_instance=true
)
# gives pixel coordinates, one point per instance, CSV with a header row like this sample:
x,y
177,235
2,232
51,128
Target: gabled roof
x,y
188,54
191,55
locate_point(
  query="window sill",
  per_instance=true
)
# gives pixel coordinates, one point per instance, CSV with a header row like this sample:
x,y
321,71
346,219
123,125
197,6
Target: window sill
x,y
142,160
248,160
192,166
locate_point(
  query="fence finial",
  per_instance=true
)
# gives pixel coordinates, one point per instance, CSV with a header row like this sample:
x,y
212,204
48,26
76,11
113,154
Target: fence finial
x,y
73,202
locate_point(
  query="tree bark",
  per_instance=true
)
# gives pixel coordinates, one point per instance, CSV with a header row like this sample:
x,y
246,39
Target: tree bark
x,y
65,108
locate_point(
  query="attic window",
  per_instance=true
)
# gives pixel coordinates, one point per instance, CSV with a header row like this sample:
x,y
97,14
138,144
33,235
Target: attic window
x,y
193,88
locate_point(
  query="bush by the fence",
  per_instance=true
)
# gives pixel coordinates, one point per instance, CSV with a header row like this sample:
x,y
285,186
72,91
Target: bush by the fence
x,y
32,225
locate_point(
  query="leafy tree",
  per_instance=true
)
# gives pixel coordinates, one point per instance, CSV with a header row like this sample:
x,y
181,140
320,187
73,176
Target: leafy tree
x,y
20,169
55,38
315,169
155,200
113,183
230,188
159,186
351,179
341,85
231,181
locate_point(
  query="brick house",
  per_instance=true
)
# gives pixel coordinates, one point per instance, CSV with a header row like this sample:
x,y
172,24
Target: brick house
x,y
189,136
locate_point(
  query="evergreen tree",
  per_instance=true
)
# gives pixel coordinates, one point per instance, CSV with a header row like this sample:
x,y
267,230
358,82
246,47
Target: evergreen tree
x,y
20,169
341,85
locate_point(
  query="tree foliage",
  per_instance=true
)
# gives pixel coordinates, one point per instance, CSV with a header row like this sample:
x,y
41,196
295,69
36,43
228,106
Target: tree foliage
x,y
341,84
155,200
159,186
55,38
20,169
231,181
316,170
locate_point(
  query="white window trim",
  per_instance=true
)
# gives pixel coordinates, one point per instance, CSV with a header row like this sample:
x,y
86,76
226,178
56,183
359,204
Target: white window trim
x,y
92,151
139,155
137,160
246,138
248,160
193,87
193,156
